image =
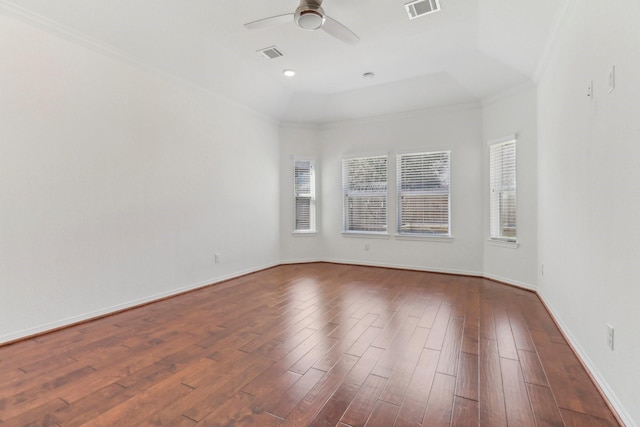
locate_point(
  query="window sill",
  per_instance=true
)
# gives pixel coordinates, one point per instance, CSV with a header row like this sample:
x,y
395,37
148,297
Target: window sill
x,y
504,243
365,235
425,237
305,233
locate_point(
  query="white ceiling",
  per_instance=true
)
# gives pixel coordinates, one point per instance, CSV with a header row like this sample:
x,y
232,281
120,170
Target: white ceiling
x,y
471,50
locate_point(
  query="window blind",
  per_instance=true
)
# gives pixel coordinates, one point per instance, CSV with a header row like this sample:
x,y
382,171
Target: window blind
x,y
424,193
364,189
502,169
304,194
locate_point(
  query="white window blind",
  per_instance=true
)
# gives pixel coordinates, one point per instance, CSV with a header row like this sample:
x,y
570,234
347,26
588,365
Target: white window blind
x,y
364,191
502,169
424,193
305,197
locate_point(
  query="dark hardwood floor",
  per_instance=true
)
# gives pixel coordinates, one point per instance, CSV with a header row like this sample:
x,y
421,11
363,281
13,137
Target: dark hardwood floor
x,y
309,345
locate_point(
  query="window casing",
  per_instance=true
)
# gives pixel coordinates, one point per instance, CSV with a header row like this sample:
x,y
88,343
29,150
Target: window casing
x,y
502,169
364,195
304,190
424,198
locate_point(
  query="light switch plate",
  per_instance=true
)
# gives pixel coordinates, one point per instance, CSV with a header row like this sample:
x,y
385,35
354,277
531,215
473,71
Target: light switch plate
x,y
610,336
612,78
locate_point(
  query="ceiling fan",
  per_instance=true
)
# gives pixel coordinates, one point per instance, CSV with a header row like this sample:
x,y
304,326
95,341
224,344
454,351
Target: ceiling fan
x,y
309,16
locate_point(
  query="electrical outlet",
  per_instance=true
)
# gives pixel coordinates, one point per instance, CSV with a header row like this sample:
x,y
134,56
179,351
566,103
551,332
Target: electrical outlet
x,y
610,336
590,90
366,246
216,258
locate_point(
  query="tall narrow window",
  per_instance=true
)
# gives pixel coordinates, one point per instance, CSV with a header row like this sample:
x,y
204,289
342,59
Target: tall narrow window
x,y
305,196
424,193
502,167
364,194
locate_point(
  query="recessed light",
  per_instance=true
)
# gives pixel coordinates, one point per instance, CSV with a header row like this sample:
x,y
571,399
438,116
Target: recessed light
x,y
289,73
368,75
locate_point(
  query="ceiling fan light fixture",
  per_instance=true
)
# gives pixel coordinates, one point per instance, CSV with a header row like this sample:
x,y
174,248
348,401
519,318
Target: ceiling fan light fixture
x,y
309,17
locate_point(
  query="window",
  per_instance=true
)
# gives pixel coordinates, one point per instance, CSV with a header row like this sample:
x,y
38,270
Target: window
x,y
305,196
502,169
364,194
423,193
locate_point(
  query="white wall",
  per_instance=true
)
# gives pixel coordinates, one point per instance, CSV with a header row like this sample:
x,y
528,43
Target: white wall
x,y
298,141
514,113
465,130
114,186
457,128
589,201
118,186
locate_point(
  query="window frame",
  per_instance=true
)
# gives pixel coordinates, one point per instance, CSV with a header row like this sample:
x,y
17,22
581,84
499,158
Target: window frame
x,y
311,196
497,188
400,193
348,193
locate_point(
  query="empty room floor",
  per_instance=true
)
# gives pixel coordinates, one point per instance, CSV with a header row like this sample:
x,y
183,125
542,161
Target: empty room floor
x,y
309,345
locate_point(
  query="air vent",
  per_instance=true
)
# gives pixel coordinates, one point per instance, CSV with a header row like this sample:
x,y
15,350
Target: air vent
x,y
418,8
271,52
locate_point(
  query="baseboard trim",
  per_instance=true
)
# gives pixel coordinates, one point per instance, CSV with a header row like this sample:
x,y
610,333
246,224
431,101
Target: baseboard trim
x,y
610,398
126,306
130,305
406,267
301,261
510,282
608,395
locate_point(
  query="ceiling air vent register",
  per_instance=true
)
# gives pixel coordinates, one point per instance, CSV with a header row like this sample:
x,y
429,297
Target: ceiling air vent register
x,y
418,8
270,52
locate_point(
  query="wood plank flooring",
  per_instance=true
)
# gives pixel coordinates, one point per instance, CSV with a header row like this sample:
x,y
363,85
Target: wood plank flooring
x,y
309,345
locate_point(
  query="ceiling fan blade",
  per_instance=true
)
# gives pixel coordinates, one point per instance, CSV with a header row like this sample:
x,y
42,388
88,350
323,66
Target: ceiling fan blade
x,y
268,22
339,31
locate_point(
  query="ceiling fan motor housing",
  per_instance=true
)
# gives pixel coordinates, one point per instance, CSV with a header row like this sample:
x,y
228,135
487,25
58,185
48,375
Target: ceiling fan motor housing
x,y
309,17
